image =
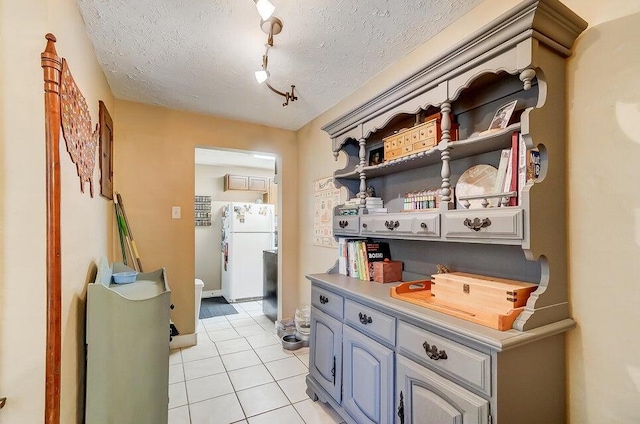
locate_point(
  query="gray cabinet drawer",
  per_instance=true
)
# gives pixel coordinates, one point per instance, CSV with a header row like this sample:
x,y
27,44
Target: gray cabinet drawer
x,y
392,224
484,224
346,224
370,321
462,362
327,301
426,225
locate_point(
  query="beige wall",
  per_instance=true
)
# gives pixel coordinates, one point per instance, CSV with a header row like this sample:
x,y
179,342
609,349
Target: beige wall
x,y
604,220
84,221
604,234
210,182
154,169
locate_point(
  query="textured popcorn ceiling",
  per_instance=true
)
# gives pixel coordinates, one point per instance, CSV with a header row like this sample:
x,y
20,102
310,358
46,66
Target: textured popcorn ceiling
x,y
200,56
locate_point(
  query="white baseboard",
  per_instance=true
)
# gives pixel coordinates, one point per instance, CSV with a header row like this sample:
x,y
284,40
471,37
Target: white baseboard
x,y
211,293
183,340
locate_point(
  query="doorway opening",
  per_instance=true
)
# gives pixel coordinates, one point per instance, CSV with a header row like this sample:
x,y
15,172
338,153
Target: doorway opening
x,y
236,232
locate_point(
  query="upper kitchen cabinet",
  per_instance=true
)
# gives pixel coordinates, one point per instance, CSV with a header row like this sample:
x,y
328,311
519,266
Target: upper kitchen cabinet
x,y
246,182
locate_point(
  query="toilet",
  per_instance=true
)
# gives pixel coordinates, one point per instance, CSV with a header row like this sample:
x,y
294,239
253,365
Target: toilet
x,y
198,290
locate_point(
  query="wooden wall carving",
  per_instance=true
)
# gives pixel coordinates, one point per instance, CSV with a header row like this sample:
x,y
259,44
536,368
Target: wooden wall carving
x,y
76,128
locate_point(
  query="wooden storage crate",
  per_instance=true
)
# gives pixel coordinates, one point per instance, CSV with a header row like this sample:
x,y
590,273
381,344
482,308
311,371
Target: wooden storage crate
x,y
387,271
416,139
482,305
479,291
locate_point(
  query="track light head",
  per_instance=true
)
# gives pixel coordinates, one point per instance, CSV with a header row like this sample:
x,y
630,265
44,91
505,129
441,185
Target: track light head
x,y
265,8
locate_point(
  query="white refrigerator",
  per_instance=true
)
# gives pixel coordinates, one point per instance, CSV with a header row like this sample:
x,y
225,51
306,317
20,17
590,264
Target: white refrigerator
x,y
247,230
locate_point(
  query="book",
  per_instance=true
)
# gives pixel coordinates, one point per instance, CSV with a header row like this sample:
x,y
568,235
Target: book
x,y
377,210
342,256
506,181
528,166
363,267
352,262
513,177
533,171
522,166
376,251
502,171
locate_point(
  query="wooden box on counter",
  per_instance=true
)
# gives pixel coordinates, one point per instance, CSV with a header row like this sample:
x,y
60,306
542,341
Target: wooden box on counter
x,y
387,271
480,292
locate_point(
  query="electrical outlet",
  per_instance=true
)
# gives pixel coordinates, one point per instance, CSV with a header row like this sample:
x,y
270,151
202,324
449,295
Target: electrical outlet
x,y
175,212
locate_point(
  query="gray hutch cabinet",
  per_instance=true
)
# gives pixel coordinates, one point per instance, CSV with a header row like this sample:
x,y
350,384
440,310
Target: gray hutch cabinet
x,y
379,359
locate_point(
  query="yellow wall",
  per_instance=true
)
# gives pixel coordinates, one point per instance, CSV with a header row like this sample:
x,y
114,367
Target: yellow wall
x,y
154,169
85,221
603,205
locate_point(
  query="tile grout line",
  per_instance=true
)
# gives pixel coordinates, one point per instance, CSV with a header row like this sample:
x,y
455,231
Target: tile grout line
x,y
262,362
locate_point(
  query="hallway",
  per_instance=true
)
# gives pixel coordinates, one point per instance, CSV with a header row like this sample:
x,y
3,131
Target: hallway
x,y
239,373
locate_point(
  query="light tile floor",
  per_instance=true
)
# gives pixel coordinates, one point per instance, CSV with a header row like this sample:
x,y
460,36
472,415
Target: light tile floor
x,y
239,373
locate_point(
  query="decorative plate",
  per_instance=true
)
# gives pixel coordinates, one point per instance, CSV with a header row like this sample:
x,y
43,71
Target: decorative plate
x,y
478,179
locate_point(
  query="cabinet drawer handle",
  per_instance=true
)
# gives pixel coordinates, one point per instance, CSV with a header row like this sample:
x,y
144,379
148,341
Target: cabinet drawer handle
x,y
364,225
364,319
333,371
433,352
401,409
391,225
477,223
343,224
324,299
423,226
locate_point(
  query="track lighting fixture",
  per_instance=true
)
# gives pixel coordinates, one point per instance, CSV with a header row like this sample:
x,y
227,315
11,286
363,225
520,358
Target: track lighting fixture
x,y
272,26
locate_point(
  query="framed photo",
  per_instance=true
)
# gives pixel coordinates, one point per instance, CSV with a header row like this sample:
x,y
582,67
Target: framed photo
x,y
106,152
502,116
376,156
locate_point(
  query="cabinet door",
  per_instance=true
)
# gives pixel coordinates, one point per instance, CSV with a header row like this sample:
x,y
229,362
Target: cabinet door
x,y
368,378
424,397
258,184
325,352
236,182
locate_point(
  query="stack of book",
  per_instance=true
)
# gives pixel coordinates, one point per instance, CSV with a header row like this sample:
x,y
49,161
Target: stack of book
x,y
518,165
350,207
375,205
356,257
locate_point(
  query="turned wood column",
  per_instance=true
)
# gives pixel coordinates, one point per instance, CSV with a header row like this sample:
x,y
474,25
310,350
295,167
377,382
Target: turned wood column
x,y
445,155
363,178
52,67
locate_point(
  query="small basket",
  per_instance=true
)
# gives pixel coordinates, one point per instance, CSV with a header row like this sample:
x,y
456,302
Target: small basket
x,y
124,277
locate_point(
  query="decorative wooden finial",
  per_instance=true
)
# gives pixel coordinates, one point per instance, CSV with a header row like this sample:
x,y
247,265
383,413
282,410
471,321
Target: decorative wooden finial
x,y
526,77
51,48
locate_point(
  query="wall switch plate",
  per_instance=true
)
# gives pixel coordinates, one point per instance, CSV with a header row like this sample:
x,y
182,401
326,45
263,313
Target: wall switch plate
x,y
175,212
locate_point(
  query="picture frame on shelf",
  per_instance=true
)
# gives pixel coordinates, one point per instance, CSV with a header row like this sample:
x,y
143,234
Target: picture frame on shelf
x,y
106,152
376,156
503,115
